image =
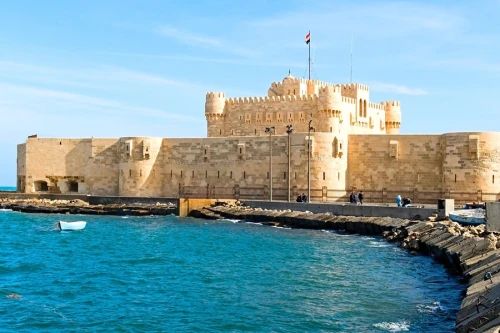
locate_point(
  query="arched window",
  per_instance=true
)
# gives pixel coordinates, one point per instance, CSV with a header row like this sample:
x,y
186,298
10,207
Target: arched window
x,y
364,108
360,107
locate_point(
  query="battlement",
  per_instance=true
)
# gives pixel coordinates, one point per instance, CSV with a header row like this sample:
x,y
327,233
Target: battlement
x,y
348,100
331,89
377,106
391,103
212,94
355,86
272,99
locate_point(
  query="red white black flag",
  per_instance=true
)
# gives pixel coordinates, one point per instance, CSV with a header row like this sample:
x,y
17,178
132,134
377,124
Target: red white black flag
x,y
308,38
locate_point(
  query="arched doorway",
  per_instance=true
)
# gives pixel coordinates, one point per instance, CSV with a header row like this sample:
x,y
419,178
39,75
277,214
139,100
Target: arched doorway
x,y
41,186
73,186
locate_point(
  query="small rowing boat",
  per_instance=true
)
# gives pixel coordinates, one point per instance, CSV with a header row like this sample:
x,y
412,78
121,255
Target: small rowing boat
x,y
469,216
77,225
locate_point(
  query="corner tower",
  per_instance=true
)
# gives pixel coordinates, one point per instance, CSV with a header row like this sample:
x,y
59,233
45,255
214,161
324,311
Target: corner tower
x,y
215,113
392,117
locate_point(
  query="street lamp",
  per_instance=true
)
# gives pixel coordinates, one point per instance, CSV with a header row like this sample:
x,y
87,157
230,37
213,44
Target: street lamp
x,y
309,161
289,131
270,130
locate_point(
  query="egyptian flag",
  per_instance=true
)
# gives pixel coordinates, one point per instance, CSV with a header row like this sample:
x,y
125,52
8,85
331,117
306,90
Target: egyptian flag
x,y
308,38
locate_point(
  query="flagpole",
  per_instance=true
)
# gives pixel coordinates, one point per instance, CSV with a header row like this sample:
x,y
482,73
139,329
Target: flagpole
x,y
309,56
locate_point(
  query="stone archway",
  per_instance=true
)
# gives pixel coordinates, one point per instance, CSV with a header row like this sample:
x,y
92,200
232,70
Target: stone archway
x,y
41,186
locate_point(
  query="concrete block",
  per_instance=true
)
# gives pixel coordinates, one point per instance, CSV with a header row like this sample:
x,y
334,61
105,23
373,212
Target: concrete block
x,y
445,206
493,216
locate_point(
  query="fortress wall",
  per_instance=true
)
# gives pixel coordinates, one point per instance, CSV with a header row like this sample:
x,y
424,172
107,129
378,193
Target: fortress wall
x,y
59,161
101,175
140,166
472,163
416,162
184,162
21,167
250,116
55,161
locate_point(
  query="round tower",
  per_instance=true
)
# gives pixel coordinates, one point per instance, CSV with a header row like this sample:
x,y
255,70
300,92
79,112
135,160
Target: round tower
x,y
392,117
330,108
214,112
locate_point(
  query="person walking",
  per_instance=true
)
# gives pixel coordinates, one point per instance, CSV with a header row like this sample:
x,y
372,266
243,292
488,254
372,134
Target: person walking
x,y
398,200
361,197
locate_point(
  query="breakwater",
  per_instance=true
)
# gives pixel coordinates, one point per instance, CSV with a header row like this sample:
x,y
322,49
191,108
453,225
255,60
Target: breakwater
x,y
78,206
469,251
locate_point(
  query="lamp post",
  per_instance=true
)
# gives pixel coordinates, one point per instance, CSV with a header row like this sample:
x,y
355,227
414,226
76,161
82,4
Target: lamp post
x,y
289,131
270,130
309,161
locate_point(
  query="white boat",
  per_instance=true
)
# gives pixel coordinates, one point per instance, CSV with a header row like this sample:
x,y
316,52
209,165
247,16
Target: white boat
x,y
77,225
469,216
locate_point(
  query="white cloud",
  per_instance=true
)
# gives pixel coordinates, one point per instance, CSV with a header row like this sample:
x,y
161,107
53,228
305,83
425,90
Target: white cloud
x,y
62,102
213,43
396,89
187,37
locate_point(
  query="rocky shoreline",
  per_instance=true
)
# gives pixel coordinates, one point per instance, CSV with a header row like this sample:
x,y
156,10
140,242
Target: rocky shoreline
x,y
470,251
76,206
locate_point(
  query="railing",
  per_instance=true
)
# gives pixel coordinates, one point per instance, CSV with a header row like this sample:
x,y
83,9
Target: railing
x,y
332,195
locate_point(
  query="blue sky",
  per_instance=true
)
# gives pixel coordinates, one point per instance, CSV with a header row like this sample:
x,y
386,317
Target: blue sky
x,y
130,68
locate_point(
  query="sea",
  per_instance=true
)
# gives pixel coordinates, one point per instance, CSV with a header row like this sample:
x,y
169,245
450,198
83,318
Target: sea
x,y
179,274
7,188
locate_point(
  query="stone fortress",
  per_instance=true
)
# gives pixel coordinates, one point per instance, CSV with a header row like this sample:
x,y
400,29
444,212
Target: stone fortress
x,y
353,144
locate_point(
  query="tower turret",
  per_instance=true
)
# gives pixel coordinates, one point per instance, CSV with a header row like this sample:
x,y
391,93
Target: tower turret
x,y
330,108
214,112
392,117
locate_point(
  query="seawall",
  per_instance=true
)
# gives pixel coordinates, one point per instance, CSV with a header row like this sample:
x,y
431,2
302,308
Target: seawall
x,y
346,209
470,251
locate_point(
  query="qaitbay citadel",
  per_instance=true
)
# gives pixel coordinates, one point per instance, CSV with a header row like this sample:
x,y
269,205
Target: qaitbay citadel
x,y
341,141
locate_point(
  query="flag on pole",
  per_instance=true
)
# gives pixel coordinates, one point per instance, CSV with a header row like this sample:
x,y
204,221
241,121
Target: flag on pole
x,y
308,38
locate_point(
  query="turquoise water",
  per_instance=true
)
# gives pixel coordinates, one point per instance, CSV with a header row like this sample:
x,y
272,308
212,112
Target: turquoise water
x,y
170,274
7,188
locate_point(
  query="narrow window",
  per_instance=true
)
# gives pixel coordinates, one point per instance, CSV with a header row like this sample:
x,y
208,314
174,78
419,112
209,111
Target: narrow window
x,y
220,132
206,174
295,176
338,175
60,143
205,151
171,173
130,173
455,178
244,175
268,175
241,150
340,146
324,175
360,107
255,131
181,173
331,129
493,179
284,175
140,173
192,175
294,91
231,175
218,174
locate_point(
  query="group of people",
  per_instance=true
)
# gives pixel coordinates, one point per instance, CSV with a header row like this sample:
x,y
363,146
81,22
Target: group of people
x,y
403,202
356,198
302,198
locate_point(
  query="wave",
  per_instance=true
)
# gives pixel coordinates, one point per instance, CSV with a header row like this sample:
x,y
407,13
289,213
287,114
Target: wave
x,y
5,210
435,308
394,327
